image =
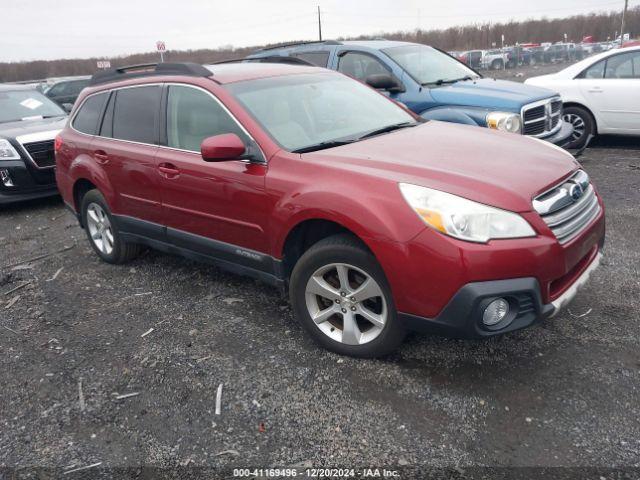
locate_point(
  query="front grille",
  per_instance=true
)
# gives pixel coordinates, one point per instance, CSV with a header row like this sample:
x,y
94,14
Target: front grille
x,y
541,118
569,208
42,153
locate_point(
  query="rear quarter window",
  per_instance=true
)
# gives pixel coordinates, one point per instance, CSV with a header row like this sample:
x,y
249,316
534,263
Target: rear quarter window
x,y
136,114
87,118
319,59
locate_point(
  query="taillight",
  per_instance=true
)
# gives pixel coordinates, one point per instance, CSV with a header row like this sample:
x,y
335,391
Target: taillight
x,y
57,144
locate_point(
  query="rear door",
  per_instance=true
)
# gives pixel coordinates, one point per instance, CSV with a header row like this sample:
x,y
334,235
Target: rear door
x,y
126,148
612,87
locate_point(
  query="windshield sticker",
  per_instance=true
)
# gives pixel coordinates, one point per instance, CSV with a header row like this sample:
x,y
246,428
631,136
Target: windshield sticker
x,y
31,103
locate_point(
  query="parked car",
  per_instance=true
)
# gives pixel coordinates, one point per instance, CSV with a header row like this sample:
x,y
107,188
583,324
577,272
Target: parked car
x,y
472,58
65,91
374,219
600,94
29,122
436,86
518,56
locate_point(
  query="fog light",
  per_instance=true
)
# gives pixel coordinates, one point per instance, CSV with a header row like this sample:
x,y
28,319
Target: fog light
x,y
6,178
495,312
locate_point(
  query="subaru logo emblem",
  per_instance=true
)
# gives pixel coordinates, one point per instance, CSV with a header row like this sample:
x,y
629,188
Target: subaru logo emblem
x,y
576,191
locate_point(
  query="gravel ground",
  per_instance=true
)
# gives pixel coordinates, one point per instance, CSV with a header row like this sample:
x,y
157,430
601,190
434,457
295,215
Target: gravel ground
x,y
562,394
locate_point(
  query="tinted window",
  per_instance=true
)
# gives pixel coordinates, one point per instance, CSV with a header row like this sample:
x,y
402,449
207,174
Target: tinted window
x,y
317,58
86,120
136,114
360,66
193,115
623,66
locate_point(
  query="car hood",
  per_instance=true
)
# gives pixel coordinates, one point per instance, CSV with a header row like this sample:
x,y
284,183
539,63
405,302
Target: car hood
x,y
491,94
501,169
19,128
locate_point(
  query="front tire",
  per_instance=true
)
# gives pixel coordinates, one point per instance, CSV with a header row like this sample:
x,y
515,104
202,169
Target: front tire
x,y
583,126
341,296
102,230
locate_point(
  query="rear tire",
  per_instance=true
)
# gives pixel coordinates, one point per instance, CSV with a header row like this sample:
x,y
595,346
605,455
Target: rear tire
x,y
341,284
583,126
102,230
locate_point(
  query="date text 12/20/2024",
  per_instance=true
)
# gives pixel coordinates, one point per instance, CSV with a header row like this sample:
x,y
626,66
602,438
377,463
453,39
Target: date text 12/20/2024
x,y
315,473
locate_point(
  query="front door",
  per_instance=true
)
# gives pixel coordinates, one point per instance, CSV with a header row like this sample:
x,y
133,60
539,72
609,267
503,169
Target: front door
x,y
214,208
612,87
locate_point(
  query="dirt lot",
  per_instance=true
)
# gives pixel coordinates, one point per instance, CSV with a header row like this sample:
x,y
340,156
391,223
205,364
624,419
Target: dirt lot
x,y
562,394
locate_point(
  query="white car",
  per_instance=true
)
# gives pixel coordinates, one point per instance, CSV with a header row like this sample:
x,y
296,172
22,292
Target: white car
x,y
601,94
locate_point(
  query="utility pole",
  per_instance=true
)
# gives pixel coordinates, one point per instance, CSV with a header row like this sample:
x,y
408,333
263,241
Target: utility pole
x,y
319,25
624,13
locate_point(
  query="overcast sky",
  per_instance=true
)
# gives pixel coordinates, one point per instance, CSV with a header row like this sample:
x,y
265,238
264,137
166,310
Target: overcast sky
x,y
48,29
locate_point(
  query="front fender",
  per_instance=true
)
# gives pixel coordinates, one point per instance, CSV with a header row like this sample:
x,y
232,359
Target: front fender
x,y
372,222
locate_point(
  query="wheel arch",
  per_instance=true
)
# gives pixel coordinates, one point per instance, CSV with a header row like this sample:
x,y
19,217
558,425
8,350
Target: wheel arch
x,y
573,103
306,233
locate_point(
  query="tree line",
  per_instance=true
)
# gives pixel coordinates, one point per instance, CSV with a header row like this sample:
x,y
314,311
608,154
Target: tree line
x,y
602,26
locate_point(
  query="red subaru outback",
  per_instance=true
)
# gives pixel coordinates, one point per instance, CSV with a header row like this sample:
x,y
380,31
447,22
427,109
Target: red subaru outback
x,y
376,221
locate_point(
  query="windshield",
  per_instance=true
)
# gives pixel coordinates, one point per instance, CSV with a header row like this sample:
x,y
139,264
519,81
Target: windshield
x,y
302,111
16,105
428,65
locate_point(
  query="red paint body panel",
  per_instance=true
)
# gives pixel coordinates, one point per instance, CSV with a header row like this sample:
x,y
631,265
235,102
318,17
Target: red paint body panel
x,y
256,206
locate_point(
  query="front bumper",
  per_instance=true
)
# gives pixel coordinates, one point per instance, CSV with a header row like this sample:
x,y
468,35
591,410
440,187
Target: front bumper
x,y
462,317
26,184
562,137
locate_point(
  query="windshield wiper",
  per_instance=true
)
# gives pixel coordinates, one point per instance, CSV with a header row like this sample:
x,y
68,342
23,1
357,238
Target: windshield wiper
x,y
322,146
388,128
452,80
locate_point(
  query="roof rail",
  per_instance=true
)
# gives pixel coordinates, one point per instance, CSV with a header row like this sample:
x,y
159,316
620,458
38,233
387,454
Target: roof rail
x,y
270,59
294,44
149,69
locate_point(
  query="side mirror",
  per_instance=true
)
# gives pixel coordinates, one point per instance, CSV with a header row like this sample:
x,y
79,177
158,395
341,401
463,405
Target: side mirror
x,y
384,81
220,148
67,107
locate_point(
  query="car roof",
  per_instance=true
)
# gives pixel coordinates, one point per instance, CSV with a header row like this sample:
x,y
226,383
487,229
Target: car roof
x,y
11,87
54,80
572,70
238,72
378,44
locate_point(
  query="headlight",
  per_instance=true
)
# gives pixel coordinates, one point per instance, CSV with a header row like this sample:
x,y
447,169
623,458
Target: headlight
x,y
505,121
462,218
7,152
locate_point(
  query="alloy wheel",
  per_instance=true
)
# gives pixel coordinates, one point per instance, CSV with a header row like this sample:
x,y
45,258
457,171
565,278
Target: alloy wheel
x,y
100,228
346,304
579,126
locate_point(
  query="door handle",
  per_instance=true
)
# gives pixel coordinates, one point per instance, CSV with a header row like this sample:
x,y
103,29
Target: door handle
x,y
168,170
595,90
101,156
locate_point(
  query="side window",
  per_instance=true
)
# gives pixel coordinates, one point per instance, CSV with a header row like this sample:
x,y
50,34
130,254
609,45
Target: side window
x,y
360,66
86,120
317,58
623,66
76,87
56,90
193,115
594,71
136,114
